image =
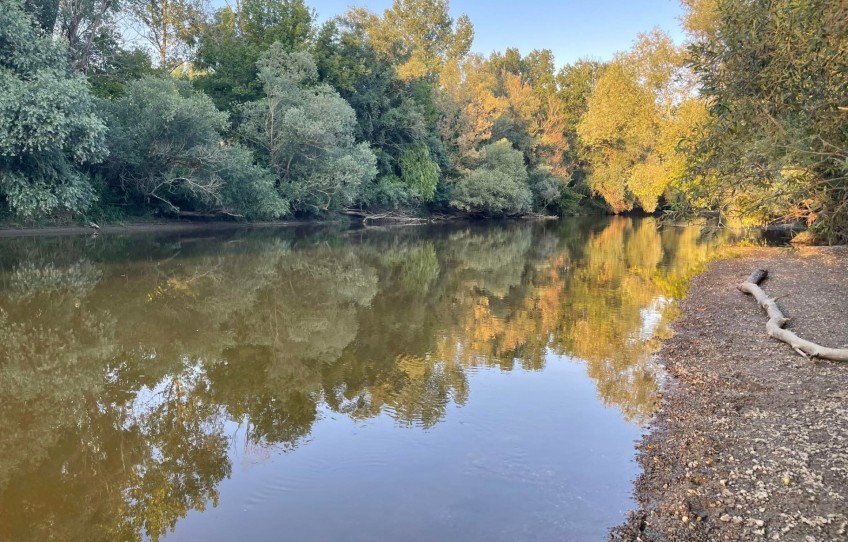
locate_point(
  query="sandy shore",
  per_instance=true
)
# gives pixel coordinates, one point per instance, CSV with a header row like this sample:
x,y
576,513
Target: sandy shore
x,y
750,441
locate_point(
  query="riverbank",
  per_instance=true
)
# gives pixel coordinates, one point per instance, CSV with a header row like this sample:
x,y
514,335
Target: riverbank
x,y
750,440
164,226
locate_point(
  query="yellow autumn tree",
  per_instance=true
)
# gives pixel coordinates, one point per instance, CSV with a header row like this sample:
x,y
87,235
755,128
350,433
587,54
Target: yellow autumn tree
x,y
467,98
535,118
419,36
641,110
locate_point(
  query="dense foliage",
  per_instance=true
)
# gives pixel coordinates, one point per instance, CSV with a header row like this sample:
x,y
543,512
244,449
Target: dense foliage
x,y
48,127
776,75
254,110
167,145
499,186
641,108
305,131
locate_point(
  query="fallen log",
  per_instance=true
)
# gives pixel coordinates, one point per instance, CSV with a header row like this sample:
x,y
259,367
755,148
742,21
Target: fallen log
x,y
776,321
390,217
393,218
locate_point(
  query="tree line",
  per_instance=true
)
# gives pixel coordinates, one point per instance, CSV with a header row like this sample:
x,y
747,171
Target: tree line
x,y
114,108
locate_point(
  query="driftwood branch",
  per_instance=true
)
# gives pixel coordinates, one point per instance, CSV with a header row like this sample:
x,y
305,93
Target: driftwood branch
x,y
776,321
395,217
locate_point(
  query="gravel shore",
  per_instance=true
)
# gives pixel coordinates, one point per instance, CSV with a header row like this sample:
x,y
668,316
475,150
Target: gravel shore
x,y
750,440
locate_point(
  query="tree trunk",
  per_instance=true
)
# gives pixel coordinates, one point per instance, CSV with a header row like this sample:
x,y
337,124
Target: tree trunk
x,y
163,48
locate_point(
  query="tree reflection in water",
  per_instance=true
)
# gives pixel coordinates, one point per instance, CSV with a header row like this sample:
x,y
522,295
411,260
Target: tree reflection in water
x,y
123,359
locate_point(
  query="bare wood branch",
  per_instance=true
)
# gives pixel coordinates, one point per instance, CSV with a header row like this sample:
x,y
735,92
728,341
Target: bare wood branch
x,y
397,217
774,326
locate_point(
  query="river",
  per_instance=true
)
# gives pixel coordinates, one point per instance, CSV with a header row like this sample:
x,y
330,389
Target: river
x,y
458,382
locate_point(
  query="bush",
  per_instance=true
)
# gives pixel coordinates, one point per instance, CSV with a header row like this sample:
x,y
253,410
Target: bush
x,y
419,172
498,187
547,188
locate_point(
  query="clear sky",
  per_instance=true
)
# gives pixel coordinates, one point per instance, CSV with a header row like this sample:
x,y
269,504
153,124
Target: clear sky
x,y
572,29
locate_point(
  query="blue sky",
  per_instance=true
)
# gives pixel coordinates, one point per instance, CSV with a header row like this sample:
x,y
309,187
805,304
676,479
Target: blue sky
x,y
572,29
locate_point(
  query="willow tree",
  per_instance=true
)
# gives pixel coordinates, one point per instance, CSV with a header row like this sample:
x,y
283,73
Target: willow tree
x,y
167,148
393,115
776,74
498,187
305,131
48,127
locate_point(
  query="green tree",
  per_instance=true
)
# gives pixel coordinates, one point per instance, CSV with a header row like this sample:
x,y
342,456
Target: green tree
x,y
547,188
389,112
498,187
344,56
575,83
419,172
167,146
230,46
306,132
775,74
44,12
111,75
288,22
48,128
90,28
170,27
420,36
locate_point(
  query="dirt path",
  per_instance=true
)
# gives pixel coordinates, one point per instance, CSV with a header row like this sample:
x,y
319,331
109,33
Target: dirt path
x,y
751,440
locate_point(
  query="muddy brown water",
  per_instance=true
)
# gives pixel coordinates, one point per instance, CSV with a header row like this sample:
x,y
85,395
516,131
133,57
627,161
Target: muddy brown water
x,y
462,382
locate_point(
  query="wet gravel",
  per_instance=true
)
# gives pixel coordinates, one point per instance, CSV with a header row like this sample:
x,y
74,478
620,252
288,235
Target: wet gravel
x,y
750,440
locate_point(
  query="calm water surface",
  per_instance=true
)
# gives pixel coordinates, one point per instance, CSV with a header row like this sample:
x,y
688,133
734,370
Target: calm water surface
x,y
475,383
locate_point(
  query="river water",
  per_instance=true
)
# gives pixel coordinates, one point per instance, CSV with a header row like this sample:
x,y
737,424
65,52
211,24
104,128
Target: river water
x,y
460,382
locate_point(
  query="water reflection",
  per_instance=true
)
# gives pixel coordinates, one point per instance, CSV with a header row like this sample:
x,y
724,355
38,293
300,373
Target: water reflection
x,y
125,362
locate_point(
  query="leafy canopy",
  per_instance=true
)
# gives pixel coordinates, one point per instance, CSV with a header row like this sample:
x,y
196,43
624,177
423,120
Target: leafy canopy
x,y
776,74
305,132
641,108
420,36
233,41
48,127
167,147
